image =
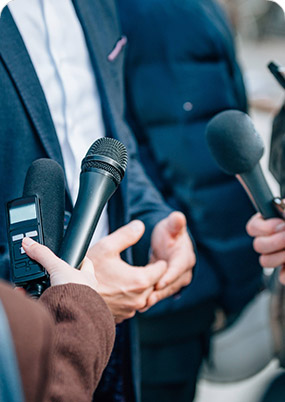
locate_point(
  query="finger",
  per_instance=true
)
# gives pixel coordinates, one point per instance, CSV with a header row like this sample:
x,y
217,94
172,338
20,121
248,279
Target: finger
x,y
272,260
120,318
176,223
21,290
269,244
41,254
152,273
179,264
121,239
257,226
170,290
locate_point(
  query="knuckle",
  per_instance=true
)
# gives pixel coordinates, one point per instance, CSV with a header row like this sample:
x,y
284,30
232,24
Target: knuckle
x,y
131,314
168,291
34,250
263,261
187,279
249,228
193,260
140,283
282,240
128,306
256,245
140,303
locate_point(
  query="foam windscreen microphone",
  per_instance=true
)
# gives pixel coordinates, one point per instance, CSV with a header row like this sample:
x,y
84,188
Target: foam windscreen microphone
x,y
237,148
102,170
45,178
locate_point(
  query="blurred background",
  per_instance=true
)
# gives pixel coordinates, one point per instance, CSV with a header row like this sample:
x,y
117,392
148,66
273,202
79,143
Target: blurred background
x,y
260,38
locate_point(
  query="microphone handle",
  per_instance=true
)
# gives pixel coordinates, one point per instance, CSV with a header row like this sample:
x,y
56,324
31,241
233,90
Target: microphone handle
x,y
96,188
259,192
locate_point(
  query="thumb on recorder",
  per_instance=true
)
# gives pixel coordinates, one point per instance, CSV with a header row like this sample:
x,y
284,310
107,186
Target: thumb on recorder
x,y
60,272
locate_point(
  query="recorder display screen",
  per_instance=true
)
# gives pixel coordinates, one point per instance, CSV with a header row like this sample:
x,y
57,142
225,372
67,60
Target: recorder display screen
x,y
22,213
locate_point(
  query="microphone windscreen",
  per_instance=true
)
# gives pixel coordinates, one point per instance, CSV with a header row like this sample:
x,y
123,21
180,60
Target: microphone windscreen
x,y
234,142
45,178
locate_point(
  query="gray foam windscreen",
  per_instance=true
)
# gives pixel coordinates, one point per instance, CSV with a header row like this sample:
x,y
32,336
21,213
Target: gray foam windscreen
x,y
233,141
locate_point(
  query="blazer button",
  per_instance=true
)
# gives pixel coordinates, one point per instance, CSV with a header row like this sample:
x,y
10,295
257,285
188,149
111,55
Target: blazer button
x,y
187,106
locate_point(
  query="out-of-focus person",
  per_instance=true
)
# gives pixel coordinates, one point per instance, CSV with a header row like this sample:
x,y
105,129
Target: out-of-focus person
x,y
181,70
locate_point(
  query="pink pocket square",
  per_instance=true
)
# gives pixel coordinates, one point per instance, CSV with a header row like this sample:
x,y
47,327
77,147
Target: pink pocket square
x,y
117,48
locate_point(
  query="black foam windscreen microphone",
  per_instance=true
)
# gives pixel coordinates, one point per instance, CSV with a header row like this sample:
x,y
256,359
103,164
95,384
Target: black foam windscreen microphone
x,y
102,170
237,148
45,178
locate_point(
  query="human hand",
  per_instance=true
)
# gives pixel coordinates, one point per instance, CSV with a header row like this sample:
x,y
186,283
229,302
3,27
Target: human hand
x,y
171,242
124,288
60,272
269,241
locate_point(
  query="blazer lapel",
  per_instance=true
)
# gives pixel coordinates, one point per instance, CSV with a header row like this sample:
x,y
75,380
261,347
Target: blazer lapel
x,y
16,58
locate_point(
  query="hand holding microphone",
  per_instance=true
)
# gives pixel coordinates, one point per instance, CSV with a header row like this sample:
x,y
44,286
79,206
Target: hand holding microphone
x,y
39,214
237,148
269,241
59,271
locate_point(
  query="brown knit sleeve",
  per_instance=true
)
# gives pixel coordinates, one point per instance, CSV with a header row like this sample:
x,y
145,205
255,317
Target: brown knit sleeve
x,y
84,338
32,331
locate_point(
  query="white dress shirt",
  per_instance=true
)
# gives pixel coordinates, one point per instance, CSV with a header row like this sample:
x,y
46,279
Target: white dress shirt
x,y
56,44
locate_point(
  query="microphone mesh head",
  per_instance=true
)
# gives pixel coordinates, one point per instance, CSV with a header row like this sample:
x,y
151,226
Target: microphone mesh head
x,y
233,141
109,148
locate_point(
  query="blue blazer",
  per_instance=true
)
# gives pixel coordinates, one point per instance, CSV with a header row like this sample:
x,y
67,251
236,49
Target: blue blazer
x,y
27,131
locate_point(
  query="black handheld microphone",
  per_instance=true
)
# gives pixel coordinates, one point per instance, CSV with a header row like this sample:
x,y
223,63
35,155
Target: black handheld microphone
x,y
39,214
102,170
237,148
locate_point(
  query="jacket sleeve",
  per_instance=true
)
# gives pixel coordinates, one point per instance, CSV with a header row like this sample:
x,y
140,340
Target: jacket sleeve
x,y
84,338
62,352
32,332
144,201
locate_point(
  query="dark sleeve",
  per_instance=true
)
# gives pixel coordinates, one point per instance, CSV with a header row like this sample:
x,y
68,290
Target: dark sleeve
x,y
145,203
84,338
